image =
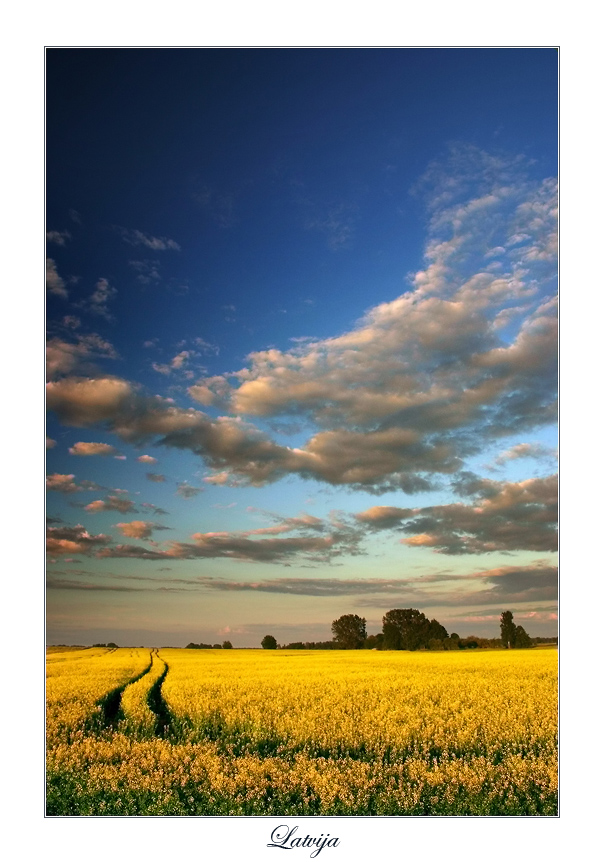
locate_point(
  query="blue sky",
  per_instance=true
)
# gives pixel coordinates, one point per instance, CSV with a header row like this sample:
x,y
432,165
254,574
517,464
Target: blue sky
x,y
301,341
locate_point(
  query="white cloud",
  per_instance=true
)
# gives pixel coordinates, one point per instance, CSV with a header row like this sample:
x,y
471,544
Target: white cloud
x,y
98,301
58,236
54,282
419,384
156,243
68,357
92,449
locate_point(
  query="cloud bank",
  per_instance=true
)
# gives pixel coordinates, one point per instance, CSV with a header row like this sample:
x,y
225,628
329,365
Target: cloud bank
x,y
467,354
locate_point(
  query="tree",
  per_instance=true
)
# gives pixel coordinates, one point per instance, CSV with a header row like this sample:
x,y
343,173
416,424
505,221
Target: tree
x,y
350,631
227,645
268,642
522,639
405,628
374,641
437,631
508,630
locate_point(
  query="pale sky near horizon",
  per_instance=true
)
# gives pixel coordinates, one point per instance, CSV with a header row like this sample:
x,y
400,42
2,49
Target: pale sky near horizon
x,y
301,341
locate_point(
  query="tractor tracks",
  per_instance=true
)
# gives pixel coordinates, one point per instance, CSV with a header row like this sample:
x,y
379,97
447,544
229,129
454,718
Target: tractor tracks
x,y
138,705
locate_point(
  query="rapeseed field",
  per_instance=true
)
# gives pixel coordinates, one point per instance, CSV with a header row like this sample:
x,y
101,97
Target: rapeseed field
x,y
301,732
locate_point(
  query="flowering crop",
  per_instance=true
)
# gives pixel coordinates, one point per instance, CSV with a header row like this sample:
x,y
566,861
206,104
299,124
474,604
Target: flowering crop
x,y
138,717
309,732
77,684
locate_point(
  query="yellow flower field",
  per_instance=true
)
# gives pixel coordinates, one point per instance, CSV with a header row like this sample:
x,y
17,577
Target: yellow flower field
x,y
261,732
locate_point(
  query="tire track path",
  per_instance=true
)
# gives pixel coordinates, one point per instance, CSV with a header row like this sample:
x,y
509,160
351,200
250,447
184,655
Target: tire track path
x,y
110,704
158,705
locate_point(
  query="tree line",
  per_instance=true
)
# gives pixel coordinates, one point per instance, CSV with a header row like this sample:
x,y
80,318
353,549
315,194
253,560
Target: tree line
x,y
410,629
224,645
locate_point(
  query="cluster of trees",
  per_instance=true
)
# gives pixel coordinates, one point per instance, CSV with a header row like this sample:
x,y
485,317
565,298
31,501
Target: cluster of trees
x,y
403,628
110,645
224,645
513,637
410,629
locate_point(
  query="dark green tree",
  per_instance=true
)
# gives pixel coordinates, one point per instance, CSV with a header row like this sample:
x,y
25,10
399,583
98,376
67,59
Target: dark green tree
x,y
350,631
508,630
268,642
374,641
405,628
227,645
522,639
437,631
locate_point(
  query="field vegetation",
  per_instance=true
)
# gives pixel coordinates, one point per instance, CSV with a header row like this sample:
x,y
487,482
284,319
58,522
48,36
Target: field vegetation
x,y
278,732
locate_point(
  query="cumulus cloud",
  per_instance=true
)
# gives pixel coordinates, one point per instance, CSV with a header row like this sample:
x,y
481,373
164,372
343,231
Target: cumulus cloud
x,y
111,504
54,283
136,529
50,443
156,477
67,357
66,485
146,459
419,384
58,236
505,516
92,449
73,540
84,402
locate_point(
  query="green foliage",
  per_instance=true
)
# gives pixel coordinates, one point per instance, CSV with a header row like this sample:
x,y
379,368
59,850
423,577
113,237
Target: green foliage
x,y
227,645
374,641
522,639
350,631
268,642
508,630
407,628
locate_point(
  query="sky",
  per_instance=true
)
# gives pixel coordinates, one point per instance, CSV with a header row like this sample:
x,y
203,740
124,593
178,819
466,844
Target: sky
x,y
302,346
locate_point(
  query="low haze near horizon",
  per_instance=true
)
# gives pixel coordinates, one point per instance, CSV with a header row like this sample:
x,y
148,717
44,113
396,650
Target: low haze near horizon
x,y
301,311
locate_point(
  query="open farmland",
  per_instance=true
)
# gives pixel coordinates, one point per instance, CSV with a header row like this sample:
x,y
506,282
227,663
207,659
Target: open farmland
x,y
260,732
